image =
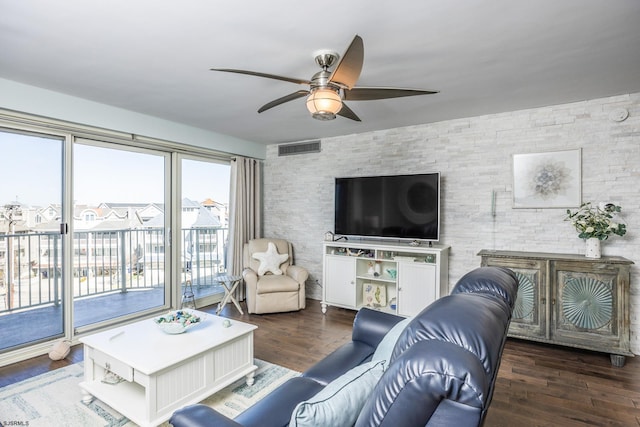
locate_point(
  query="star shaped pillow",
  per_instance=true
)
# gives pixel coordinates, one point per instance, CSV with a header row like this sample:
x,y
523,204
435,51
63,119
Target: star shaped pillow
x,y
270,260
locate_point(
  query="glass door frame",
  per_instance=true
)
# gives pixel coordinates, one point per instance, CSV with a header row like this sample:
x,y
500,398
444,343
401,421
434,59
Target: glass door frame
x,y
169,273
43,345
208,299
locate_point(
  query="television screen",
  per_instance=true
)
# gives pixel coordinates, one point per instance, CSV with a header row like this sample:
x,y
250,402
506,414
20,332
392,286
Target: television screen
x,y
398,206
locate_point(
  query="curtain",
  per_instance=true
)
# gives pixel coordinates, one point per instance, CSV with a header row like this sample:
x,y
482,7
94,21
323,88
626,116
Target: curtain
x,y
245,208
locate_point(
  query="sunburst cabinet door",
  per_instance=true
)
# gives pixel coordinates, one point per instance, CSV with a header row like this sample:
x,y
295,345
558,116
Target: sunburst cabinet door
x,y
528,313
589,306
528,319
586,302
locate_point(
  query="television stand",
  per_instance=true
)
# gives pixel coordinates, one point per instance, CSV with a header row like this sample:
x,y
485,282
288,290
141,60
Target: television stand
x,y
404,277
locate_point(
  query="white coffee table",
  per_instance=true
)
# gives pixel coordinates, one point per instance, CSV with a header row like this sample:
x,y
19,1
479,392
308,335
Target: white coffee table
x,y
164,372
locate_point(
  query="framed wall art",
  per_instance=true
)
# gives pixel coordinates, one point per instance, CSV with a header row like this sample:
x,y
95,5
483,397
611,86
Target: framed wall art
x,y
547,180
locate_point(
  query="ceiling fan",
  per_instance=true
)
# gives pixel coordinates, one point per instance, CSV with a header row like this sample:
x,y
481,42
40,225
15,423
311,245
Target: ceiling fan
x,y
329,89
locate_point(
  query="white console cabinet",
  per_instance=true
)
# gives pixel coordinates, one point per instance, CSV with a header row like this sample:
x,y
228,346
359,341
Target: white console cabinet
x,y
394,277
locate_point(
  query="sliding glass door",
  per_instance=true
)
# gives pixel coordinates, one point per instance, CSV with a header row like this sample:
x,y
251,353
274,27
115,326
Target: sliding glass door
x,y
32,306
120,223
204,216
94,232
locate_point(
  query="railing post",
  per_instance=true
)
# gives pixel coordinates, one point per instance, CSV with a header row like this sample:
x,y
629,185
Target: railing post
x,y
56,296
9,273
196,232
222,266
123,262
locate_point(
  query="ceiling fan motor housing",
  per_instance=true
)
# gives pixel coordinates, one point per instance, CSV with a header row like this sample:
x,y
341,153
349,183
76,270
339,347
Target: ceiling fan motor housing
x,y
324,101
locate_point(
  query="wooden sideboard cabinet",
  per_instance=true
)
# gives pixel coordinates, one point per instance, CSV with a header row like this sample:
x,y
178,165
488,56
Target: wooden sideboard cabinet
x,y
570,300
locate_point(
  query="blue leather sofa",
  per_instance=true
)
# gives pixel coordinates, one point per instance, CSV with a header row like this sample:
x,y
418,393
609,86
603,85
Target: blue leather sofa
x,y
440,369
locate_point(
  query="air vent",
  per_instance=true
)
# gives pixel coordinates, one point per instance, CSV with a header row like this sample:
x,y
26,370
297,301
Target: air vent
x,y
299,148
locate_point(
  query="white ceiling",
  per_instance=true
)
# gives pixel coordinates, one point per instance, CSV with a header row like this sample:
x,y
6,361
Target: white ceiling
x,y
154,56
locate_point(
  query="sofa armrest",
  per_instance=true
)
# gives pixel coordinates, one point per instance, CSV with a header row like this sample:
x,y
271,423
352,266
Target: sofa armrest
x,y
339,361
370,326
251,280
200,416
250,276
297,273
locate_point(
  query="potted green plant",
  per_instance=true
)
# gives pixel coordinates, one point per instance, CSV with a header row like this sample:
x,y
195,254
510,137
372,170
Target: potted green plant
x,y
596,223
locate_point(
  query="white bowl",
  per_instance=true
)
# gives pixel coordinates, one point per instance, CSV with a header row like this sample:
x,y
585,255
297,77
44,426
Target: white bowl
x,y
173,322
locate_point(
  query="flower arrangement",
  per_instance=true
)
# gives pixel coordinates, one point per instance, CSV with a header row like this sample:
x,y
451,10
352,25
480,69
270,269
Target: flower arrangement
x,y
596,221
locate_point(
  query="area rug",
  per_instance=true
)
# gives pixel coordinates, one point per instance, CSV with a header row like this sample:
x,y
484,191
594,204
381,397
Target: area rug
x,y
54,398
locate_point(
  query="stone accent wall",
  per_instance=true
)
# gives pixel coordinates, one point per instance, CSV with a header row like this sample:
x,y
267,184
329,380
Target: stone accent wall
x,y
474,157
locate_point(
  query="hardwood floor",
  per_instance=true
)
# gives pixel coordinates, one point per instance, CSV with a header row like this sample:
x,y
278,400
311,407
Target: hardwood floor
x,y
538,385
542,385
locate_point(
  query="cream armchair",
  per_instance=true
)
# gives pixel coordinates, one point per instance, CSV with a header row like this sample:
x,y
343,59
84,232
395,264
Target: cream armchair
x,y
274,284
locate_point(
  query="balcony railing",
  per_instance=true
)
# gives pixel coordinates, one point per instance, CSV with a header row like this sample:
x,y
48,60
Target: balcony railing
x,y
102,262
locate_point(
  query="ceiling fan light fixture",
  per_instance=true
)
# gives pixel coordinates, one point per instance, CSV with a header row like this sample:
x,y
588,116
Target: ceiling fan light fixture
x,y
324,103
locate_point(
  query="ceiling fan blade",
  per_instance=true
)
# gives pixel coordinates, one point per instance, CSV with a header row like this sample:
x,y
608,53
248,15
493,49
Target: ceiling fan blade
x,y
286,98
265,75
348,113
349,66
371,93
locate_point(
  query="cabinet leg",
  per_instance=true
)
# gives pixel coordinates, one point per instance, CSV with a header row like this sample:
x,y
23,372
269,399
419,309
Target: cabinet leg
x,y
87,398
617,360
250,379
324,308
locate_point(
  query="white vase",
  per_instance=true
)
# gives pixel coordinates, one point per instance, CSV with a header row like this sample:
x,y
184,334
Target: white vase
x,y
377,269
593,248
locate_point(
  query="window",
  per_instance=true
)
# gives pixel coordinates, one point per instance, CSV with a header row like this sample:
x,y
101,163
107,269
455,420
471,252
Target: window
x,y
118,220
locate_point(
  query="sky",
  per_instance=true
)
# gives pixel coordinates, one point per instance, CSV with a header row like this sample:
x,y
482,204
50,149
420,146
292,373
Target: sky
x,y
100,175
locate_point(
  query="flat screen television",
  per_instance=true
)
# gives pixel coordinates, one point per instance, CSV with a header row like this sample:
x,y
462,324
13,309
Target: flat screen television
x,y
392,207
